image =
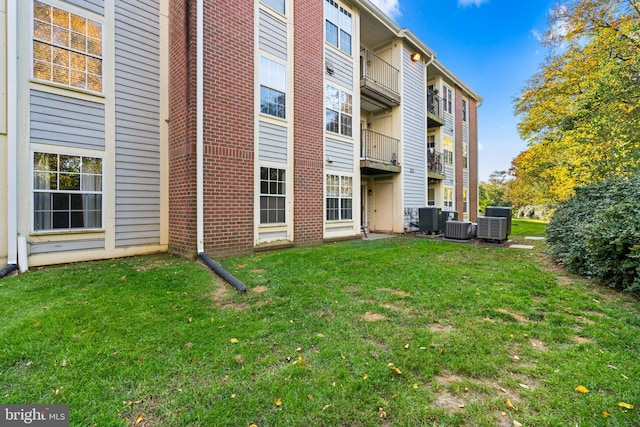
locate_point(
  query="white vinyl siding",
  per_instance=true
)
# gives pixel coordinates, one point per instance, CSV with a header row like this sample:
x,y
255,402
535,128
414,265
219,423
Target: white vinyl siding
x,y
272,36
272,143
340,154
341,69
414,131
137,101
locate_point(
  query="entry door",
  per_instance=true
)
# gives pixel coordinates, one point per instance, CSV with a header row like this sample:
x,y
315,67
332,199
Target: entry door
x,y
383,206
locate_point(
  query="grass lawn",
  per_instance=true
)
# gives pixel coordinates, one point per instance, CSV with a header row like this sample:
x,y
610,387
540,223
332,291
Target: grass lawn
x,y
401,331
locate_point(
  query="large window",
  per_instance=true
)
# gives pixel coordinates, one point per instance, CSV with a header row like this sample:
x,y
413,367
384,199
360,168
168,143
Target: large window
x,y
338,26
273,84
275,4
339,198
448,198
67,48
447,150
447,97
67,192
339,110
272,195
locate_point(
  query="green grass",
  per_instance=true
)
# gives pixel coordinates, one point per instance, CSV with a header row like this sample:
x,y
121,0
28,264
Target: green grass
x,y
527,227
464,324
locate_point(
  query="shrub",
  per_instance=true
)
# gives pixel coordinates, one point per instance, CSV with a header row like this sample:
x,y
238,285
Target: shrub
x,y
540,212
596,233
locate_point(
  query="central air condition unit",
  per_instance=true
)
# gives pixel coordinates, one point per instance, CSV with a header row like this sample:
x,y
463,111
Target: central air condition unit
x,y
492,228
500,211
428,219
459,230
444,217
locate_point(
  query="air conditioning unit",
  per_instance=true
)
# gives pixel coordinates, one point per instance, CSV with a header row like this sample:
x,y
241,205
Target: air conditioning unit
x,y
500,211
459,230
428,219
492,228
444,217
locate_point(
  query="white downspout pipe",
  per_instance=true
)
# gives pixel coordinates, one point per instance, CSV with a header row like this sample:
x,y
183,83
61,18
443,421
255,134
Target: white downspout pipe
x,y
12,128
199,125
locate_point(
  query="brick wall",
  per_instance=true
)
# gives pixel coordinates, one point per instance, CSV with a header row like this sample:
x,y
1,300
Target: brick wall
x,y
228,126
473,160
182,136
308,121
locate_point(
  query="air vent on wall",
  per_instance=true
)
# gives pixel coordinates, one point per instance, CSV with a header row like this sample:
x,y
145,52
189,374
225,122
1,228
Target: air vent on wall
x,y
329,67
492,228
459,230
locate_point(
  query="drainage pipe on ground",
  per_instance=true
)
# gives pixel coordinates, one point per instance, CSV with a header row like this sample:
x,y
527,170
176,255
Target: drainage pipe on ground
x,y
220,271
8,269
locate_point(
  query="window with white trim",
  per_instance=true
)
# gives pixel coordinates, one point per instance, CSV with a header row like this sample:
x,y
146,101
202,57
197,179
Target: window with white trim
x,y
339,198
277,5
273,194
465,201
447,99
465,155
464,110
447,150
338,26
67,48
273,85
339,111
67,192
448,197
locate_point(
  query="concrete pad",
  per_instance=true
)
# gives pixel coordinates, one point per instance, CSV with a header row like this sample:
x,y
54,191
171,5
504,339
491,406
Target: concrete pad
x,y
522,247
534,238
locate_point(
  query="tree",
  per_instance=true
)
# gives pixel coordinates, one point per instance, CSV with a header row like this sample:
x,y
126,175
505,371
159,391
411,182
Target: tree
x,y
494,191
580,113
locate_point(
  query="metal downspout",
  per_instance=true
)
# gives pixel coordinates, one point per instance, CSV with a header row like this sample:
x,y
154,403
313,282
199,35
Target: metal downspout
x,y
217,268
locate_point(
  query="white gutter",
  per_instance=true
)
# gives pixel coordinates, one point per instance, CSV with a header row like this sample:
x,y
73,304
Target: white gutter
x,y
199,126
12,128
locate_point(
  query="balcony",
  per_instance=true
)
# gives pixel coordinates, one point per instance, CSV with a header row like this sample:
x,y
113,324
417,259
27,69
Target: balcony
x,y
379,83
435,166
378,153
435,117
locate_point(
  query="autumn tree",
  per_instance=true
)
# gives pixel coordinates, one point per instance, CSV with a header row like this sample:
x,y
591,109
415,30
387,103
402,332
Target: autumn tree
x,y
493,192
580,113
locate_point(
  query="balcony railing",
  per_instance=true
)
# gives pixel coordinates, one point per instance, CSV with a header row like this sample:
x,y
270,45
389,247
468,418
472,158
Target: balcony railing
x,y
379,81
434,110
435,165
379,148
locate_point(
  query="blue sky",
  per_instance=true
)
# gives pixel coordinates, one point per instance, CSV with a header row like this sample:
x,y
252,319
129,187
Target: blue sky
x,y
494,47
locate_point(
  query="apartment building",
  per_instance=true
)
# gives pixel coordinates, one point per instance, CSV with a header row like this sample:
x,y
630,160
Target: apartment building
x,y
221,127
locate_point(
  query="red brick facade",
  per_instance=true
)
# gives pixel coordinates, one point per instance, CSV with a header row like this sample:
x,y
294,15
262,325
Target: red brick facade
x,y
182,129
308,121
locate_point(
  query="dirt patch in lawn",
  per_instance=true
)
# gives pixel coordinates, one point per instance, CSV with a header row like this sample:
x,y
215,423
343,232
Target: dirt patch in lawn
x,y
221,296
519,317
372,317
440,327
582,340
259,289
397,292
538,345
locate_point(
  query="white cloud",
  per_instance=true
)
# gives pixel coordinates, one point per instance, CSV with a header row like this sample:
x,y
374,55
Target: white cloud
x,y
537,35
390,7
465,3
480,146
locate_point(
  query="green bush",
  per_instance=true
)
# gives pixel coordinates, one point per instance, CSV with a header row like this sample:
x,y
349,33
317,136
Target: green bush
x,y
596,233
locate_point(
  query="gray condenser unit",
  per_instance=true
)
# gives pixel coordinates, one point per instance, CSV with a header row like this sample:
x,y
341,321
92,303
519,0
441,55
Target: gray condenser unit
x,y
500,212
444,217
459,230
492,228
428,219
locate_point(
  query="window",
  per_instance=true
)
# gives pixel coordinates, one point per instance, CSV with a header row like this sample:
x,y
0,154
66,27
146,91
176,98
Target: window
x,y
447,97
465,155
448,197
431,196
272,195
67,48
275,4
465,201
338,26
338,111
273,83
447,150
67,192
464,110
339,198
